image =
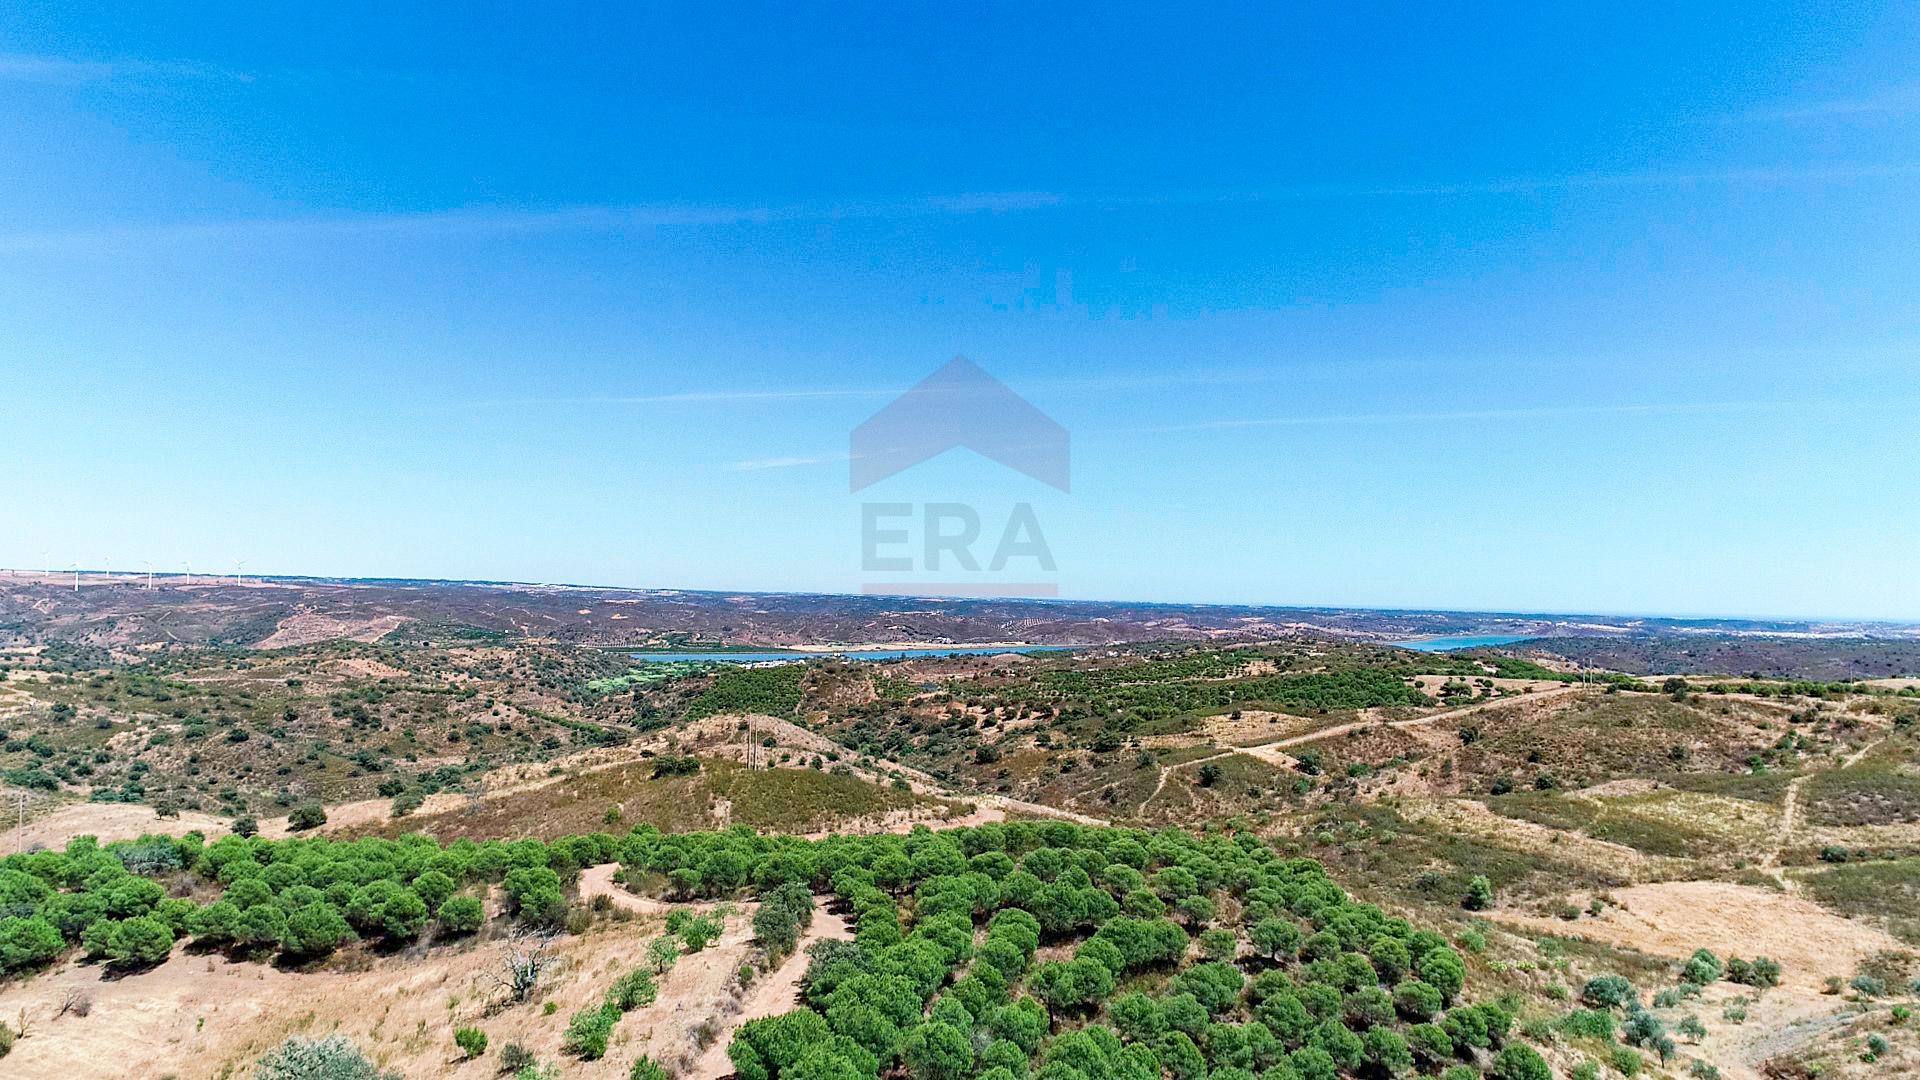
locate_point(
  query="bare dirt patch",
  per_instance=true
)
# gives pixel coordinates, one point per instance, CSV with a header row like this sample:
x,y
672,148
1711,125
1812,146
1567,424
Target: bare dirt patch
x,y
108,822
205,1016
1674,918
364,667
308,627
1617,788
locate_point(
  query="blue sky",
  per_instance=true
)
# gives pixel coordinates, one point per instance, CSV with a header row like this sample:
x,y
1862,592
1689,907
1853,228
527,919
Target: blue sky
x,y
1513,309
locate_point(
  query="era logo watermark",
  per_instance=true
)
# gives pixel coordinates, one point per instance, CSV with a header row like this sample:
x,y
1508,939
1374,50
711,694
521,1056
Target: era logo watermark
x,y
954,548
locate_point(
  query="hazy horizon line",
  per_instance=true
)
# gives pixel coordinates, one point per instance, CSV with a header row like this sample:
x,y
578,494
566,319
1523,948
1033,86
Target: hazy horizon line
x,y
11,574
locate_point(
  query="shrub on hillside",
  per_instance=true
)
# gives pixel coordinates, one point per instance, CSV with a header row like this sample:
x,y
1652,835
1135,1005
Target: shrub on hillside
x,y
1608,992
331,1058
471,1041
589,1030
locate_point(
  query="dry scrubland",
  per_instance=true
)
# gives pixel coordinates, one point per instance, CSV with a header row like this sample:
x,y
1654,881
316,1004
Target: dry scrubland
x,y
1554,830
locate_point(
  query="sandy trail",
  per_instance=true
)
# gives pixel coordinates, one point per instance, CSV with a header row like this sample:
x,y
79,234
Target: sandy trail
x,y
598,881
1167,770
1269,752
1789,819
1418,721
1790,815
771,995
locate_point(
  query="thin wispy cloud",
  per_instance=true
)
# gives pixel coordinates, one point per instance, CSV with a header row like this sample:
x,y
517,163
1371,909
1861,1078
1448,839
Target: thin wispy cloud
x,y
464,221
1434,416
1089,383
28,67
1461,415
1884,103
793,462
695,397
611,219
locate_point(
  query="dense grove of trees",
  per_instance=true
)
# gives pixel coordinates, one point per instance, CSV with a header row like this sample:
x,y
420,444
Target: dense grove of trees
x,y
1049,950
1163,695
1065,952
774,691
301,898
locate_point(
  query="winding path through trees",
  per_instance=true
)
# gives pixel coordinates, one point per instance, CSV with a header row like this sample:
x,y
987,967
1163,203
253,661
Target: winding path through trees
x,y
1269,752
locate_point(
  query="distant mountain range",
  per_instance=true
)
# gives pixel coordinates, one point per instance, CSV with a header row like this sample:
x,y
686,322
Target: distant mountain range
x,y
120,612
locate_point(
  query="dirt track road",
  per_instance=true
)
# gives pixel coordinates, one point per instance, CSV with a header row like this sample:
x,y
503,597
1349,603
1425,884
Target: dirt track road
x,y
1269,752
771,995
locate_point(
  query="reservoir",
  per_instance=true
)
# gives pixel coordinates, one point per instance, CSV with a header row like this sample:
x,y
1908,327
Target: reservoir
x,y
844,654
1449,644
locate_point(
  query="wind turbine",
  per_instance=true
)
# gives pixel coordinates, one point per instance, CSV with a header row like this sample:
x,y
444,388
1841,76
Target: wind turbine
x,y
188,576
149,575
236,570
76,575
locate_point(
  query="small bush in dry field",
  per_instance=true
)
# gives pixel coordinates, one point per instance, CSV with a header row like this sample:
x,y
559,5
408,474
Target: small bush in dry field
x,y
1607,992
661,953
696,932
633,990
471,1041
647,1069
331,1058
514,1057
77,1000
1702,968
588,1032
461,915
578,920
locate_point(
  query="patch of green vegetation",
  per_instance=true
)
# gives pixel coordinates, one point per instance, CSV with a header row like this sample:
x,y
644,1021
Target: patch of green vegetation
x,y
1884,789
1765,787
1889,890
893,689
1160,695
798,800
448,633
1612,820
773,691
1547,808
1653,836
